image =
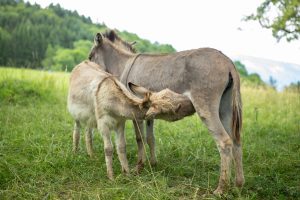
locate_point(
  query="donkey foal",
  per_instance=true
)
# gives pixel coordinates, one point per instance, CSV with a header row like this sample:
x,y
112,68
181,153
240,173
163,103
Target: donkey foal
x,y
98,99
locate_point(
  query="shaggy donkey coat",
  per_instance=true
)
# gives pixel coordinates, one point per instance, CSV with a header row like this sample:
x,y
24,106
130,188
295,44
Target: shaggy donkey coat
x,y
98,99
206,76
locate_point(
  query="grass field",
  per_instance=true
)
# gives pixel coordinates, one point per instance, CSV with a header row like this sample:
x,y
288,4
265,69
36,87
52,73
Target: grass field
x,y
36,161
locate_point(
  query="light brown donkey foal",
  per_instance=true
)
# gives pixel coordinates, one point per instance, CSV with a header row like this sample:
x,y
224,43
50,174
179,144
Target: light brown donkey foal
x,y
98,99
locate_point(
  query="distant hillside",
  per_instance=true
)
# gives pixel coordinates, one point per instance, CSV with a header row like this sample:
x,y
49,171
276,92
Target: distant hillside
x,y
29,33
283,73
54,38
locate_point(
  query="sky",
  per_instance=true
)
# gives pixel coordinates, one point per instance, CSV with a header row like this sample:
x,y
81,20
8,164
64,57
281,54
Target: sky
x,y
189,24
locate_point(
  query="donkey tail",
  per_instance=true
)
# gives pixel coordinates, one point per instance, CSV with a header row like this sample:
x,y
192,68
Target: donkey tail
x,y
236,125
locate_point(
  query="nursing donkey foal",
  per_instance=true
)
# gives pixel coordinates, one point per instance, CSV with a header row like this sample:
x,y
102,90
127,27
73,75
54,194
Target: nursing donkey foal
x,y
98,99
205,75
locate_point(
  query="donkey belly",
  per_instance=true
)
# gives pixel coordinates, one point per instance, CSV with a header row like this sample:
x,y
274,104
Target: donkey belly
x,y
83,113
197,74
158,73
167,72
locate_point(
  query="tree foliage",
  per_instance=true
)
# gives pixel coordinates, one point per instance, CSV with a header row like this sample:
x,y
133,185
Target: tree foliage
x,y
248,79
58,58
281,16
241,68
46,38
57,39
293,87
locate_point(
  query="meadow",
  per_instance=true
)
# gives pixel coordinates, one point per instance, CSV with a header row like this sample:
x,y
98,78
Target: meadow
x,y
36,159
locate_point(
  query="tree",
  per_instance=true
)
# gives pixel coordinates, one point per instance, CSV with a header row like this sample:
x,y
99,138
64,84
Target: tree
x,y
255,79
48,62
5,40
272,82
293,87
52,37
241,68
281,16
65,59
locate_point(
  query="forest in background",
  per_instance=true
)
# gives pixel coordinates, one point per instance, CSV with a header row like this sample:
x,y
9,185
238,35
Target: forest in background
x,y
57,39
52,38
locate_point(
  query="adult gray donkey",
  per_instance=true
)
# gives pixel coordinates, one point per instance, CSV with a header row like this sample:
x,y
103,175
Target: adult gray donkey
x,y
206,76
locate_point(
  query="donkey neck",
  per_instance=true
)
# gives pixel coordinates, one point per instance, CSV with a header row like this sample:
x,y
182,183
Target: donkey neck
x,y
116,59
134,112
129,109
127,104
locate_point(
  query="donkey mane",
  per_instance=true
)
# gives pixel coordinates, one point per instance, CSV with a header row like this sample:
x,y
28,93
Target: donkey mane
x,y
112,36
124,92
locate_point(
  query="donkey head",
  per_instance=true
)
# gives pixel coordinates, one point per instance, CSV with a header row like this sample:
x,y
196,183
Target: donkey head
x,y
111,37
161,104
106,49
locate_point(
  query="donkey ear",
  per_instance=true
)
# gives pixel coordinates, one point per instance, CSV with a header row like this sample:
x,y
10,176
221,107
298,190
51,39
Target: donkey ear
x,y
146,103
152,112
98,39
139,90
112,35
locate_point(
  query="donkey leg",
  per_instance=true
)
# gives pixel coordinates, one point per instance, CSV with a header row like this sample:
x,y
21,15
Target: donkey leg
x,y
226,119
121,147
236,150
210,116
76,136
139,134
89,141
108,149
239,173
224,144
151,141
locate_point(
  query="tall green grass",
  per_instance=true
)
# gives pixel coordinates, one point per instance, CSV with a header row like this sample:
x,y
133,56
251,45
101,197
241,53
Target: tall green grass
x,y
36,161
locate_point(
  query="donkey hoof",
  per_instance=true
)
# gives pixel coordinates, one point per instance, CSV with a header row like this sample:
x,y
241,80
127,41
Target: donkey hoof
x,y
139,168
239,182
75,151
91,155
153,163
110,177
125,171
218,192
